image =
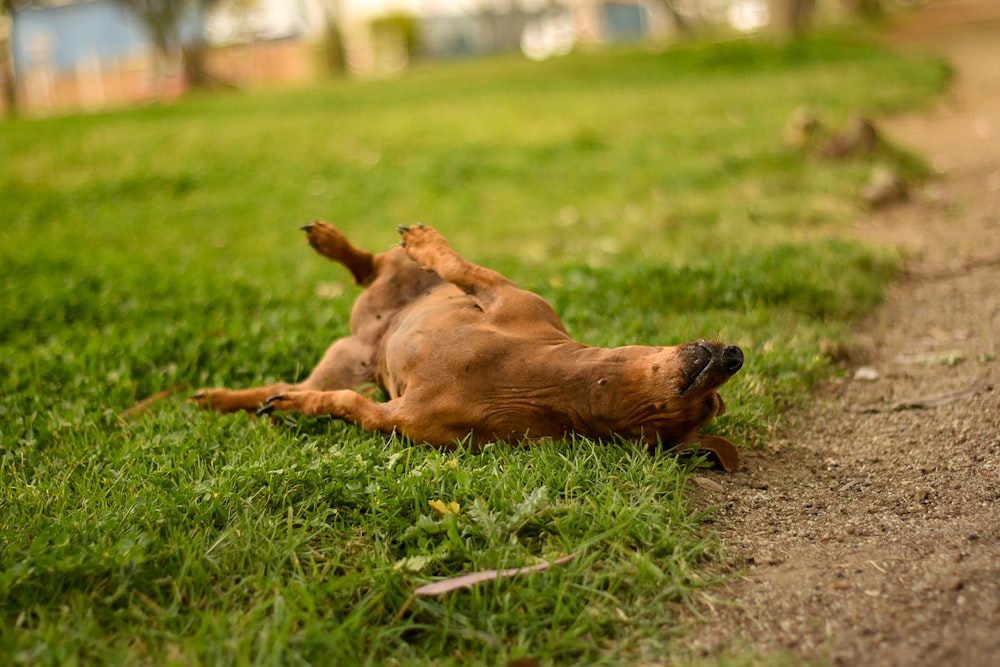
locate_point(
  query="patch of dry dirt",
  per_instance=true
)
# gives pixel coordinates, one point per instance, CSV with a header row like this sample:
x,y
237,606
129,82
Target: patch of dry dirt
x,y
870,535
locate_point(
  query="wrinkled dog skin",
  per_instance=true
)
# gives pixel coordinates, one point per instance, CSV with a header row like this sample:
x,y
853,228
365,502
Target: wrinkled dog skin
x,y
461,350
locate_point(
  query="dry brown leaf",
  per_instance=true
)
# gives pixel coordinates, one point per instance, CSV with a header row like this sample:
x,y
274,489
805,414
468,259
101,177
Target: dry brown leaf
x,y
474,578
469,580
708,484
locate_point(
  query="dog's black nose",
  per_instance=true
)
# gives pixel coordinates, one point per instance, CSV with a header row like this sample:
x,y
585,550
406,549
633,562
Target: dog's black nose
x,y
732,359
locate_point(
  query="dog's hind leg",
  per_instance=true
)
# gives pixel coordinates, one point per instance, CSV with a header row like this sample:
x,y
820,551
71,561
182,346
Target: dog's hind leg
x,y
331,242
491,291
426,246
347,364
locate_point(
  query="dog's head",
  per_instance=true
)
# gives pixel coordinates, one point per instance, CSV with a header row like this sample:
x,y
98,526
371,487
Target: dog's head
x,y
679,387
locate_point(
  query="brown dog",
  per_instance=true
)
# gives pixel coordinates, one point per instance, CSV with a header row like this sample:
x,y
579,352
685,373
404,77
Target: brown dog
x,y
461,350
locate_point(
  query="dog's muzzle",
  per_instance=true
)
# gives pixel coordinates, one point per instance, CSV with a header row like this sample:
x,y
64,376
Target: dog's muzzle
x,y
709,365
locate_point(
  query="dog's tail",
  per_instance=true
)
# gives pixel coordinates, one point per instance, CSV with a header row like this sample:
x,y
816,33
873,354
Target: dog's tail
x,y
142,406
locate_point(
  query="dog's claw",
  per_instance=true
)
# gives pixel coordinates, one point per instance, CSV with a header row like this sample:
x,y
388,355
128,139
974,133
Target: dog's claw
x,y
308,227
402,229
196,396
268,407
420,225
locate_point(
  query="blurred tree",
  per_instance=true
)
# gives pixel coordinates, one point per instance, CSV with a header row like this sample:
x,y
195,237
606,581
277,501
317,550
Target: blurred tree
x,y
681,21
336,57
164,23
502,20
8,81
867,9
791,17
395,36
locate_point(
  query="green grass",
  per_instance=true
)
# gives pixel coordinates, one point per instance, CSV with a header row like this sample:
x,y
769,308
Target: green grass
x,y
647,195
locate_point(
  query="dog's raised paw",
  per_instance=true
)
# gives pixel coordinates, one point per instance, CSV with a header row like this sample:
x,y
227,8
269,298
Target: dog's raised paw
x,y
402,229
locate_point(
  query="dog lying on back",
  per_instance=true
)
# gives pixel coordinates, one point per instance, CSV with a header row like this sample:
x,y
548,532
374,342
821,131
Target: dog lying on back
x,y
462,352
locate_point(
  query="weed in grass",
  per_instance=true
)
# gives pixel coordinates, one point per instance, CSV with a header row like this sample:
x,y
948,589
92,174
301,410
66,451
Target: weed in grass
x,y
645,194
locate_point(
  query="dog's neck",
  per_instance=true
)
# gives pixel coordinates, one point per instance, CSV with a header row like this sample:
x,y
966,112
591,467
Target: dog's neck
x,y
615,383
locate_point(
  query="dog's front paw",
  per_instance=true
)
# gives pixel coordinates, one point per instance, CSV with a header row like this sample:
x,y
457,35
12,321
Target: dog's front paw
x,y
324,237
287,402
208,399
271,405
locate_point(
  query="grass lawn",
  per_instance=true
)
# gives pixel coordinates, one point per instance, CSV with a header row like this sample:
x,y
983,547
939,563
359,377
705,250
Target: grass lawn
x,y
647,195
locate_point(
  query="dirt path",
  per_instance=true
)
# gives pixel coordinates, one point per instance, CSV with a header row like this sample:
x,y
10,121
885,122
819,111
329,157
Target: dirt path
x,y
871,534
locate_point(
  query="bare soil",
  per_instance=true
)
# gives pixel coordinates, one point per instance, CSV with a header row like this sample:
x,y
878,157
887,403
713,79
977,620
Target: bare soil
x,y
870,533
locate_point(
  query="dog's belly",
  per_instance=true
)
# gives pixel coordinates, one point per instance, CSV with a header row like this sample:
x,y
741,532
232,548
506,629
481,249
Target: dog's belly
x,y
461,372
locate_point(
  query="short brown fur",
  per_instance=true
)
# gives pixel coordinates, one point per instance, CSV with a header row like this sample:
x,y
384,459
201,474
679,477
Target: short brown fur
x,y
462,352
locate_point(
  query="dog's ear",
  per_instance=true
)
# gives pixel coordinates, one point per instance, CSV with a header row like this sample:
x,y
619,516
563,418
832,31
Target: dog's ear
x,y
724,453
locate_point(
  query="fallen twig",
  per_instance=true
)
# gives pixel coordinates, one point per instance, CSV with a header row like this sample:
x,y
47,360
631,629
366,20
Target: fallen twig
x,y
920,403
965,267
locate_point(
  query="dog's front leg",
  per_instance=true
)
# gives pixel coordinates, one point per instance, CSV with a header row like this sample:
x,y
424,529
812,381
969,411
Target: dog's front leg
x,y
330,242
234,400
344,404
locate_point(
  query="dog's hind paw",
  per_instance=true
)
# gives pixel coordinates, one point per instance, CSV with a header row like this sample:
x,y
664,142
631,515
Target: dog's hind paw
x,y
403,229
421,242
